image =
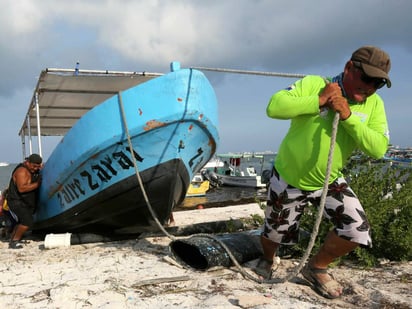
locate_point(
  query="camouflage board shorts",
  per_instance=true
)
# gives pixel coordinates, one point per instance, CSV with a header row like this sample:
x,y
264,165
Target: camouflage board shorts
x,y
286,204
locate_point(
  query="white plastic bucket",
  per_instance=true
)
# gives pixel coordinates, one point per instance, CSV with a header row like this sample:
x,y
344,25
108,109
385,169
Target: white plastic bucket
x,y
57,240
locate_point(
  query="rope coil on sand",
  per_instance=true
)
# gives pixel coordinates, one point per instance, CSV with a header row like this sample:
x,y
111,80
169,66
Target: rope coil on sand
x,y
315,230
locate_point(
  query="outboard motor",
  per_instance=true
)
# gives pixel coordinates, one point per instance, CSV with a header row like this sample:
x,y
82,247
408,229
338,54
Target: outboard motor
x,y
266,174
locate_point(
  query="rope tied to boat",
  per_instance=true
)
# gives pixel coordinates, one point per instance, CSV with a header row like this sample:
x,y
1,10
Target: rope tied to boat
x,y
136,169
315,230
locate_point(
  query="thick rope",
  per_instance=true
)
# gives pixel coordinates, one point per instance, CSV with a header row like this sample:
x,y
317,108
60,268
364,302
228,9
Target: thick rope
x,y
136,169
231,256
315,230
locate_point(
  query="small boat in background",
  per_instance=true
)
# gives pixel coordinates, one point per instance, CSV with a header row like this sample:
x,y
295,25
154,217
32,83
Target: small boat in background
x,y
234,171
198,186
214,164
399,156
131,143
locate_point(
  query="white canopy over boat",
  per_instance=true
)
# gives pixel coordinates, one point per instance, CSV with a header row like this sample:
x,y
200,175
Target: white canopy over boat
x,y
62,96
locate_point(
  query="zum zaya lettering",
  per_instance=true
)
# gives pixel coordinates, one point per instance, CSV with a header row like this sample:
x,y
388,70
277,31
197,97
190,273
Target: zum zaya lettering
x,y
95,175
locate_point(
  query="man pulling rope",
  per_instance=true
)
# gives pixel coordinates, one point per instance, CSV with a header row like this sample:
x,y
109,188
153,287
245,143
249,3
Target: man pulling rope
x,y
301,162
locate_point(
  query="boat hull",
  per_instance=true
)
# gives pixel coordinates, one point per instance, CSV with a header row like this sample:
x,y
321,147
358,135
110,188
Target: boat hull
x,y
122,208
240,181
90,183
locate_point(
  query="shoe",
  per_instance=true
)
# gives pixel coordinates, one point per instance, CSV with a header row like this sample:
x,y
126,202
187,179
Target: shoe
x,y
264,268
15,244
331,289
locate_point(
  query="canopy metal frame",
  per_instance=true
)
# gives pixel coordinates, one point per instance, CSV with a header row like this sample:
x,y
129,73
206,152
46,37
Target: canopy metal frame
x,y
62,96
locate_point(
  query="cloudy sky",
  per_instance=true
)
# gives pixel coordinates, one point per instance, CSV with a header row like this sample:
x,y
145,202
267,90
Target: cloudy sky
x,y
307,37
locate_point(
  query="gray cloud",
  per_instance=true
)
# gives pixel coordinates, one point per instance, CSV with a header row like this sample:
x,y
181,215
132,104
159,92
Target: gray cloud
x,y
311,37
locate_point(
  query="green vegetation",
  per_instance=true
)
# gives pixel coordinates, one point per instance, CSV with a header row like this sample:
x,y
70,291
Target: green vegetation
x,y
386,195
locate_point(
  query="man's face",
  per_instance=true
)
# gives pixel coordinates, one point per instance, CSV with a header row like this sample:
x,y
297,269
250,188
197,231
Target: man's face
x,y
34,167
358,86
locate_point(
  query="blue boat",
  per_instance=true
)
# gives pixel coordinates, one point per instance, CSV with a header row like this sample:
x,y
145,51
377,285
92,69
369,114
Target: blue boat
x,y
131,144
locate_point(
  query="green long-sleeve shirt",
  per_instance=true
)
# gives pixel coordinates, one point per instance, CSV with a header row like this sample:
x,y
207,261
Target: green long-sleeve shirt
x,y
303,154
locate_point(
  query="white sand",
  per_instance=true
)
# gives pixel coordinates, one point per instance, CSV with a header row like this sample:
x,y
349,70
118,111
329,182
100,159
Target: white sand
x,y
141,273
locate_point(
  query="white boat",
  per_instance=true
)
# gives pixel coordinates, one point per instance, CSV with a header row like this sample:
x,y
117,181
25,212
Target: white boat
x,y
250,179
213,164
234,172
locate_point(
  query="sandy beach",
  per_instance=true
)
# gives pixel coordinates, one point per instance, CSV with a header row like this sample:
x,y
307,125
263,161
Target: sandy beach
x,y
142,273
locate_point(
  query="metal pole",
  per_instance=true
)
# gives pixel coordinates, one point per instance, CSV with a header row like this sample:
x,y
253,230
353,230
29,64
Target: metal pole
x,y
292,75
38,124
